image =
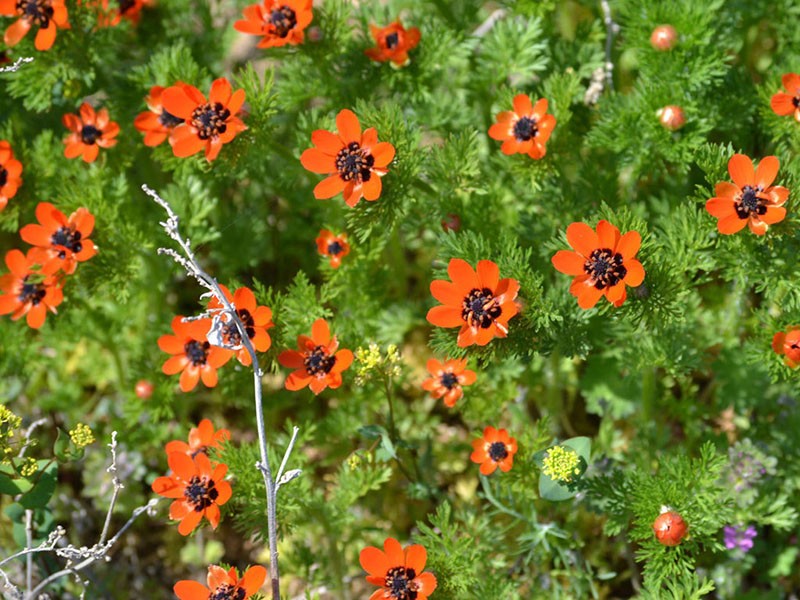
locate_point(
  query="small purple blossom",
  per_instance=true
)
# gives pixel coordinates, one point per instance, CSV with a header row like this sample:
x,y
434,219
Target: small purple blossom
x,y
739,537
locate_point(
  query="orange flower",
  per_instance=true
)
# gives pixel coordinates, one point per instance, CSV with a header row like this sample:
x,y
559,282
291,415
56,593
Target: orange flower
x,y
28,291
61,243
256,320
10,171
398,572
223,585
787,344
494,449
156,124
526,129
281,22
208,123
194,358
446,379
602,263
197,487
90,132
335,246
751,199
481,303
49,15
317,364
110,16
393,43
789,103
355,161
201,438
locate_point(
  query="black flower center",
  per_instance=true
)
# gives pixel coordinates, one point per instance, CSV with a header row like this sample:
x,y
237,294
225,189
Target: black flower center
x,y
479,308
448,380
3,176
334,248
230,332
32,292
497,451
354,163
525,129
399,582
125,5
228,592
197,352
169,120
283,20
69,239
605,268
392,40
318,361
40,11
89,134
750,203
200,493
796,101
209,120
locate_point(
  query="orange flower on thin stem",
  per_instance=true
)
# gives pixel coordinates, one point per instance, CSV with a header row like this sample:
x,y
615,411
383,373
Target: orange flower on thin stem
x,y
10,174
90,132
156,123
49,15
603,263
788,103
27,291
447,379
281,22
333,246
393,43
399,573
495,449
526,129
479,302
197,487
317,363
201,438
208,123
751,199
193,357
256,320
787,344
61,243
223,585
354,160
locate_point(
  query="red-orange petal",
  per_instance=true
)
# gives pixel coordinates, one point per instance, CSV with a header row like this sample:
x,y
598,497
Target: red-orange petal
x,y
741,170
582,238
348,126
571,263
767,171
445,316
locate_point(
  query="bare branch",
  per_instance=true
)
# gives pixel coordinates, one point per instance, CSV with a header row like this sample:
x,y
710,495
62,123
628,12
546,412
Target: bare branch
x,y
612,29
13,68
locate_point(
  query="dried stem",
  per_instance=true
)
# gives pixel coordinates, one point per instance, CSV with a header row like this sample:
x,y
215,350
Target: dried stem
x,y
13,68
611,30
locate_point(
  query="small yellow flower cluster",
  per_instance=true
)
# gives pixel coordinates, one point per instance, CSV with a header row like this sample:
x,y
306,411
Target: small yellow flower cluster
x,y
29,468
9,423
81,436
561,464
371,359
354,461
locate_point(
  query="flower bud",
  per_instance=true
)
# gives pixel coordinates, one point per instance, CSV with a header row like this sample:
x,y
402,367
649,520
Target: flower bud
x,y
669,527
144,389
671,117
663,38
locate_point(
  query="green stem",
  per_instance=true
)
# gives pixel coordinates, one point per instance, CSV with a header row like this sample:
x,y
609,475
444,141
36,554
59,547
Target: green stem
x,y
487,490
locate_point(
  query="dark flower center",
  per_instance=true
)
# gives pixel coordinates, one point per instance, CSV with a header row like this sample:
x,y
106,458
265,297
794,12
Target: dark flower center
x,y
479,308
200,493
3,176
40,11
399,582
125,5
334,248
230,332
749,203
497,451
228,592
32,292
354,163
69,239
796,101
89,134
392,40
209,120
448,380
525,129
318,361
169,120
605,268
283,20
197,352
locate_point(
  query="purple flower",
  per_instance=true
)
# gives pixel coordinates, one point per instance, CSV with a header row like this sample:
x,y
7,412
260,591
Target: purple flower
x,y
738,537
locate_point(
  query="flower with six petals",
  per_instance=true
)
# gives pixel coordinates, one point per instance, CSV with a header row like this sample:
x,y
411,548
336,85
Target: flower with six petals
x,y
193,357
399,573
27,291
392,43
447,379
201,438
477,301
495,449
256,320
787,344
602,263
156,123
90,132
751,199
60,243
223,585
333,246
10,174
524,130
316,362
49,15
280,22
354,161
788,103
